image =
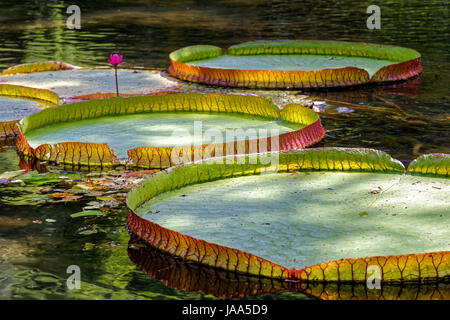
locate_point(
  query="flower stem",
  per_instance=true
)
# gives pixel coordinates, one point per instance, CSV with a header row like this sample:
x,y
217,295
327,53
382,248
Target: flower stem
x,y
117,84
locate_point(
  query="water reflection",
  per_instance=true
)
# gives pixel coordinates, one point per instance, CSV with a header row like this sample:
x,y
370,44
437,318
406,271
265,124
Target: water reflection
x,y
190,276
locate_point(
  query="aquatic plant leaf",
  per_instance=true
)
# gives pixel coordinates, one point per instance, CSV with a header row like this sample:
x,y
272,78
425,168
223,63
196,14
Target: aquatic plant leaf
x,y
404,267
162,157
189,102
87,213
23,147
327,159
70,83
124,95
431,164
409,267
77,153
9,129
38,67
28,92
339,64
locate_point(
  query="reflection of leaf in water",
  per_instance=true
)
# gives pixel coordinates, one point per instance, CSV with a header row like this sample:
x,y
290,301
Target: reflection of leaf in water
x,y
190,276
11,174
25,199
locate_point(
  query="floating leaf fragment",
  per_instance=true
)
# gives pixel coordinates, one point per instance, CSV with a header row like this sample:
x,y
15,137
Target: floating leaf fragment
x,y
61,195
106,198
89,246
87,213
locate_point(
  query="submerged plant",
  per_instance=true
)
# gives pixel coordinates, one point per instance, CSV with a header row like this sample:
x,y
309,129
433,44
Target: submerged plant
x,y
116,60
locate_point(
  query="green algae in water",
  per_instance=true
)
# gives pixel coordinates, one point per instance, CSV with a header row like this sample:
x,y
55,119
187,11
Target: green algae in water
x,y
292,62
302,219
156,130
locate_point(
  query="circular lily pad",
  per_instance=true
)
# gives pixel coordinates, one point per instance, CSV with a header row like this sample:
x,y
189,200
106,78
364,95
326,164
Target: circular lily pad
x,y
234,217
291,62
298,220
70,83
125,132
164,130
295,64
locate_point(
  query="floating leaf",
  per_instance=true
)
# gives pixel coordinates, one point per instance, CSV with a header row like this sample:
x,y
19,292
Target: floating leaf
x,y
106,198
294,64
7,89
87,213
61,195
321,217
295,127
38,67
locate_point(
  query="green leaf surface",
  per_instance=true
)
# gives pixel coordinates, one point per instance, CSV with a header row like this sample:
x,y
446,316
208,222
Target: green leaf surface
x,y
158,130
292,62
298,220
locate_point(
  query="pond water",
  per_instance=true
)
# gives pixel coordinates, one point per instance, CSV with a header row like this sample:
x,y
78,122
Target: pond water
x,y
404,119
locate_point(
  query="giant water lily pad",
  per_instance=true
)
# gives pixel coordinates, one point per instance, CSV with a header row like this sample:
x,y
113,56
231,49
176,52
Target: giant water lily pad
x,y
298,220
157,130
291,62
164,130
70,83
295,64
236,218
17,102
